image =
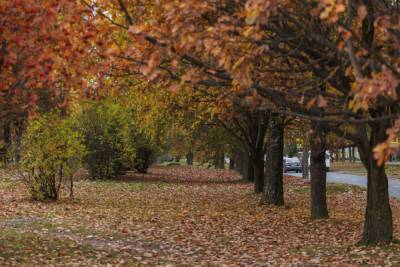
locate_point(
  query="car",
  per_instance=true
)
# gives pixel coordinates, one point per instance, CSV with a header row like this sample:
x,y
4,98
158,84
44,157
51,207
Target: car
x,y
291,164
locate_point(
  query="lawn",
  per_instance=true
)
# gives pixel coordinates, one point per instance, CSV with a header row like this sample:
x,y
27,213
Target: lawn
x,y
392,169
182,216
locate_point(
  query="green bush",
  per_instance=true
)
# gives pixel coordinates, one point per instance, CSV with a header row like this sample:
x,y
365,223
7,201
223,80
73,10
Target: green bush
x,y
100,125
114,139
51,152
144,155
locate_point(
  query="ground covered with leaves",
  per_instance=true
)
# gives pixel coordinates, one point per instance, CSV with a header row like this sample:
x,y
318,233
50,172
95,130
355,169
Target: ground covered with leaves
x,y
185,216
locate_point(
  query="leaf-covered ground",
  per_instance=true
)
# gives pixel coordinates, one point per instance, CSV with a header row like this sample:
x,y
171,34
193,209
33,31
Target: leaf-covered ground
x,y
181,216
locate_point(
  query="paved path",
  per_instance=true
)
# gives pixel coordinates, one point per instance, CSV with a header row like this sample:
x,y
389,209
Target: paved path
x,y
337,177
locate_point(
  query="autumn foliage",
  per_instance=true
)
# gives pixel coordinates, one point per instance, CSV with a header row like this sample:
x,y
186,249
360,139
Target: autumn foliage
x,y
181,75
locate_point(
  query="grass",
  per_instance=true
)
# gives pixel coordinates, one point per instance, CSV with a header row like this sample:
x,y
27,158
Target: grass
x,y
185,216
392,170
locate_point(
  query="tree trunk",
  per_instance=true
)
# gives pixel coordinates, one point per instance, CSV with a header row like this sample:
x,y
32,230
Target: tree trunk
x,y
248,175
273,187
239,163
219,161
258,166
378,225
319,208
305,159
16,138
189,158
351,153
6,140
71,186
231,163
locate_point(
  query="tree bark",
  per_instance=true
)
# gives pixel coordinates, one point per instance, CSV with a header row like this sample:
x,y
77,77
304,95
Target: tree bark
x,y
258,167
378,225
273,187
305,160
343,154
7,141
231,163
189,158
219,161
71,186
239,163
319,209
248,168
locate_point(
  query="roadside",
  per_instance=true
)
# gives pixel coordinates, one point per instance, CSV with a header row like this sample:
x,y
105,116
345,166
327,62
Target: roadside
x,y
356,168
359,180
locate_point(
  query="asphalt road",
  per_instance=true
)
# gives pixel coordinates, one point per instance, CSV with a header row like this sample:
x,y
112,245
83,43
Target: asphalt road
x,y
337,177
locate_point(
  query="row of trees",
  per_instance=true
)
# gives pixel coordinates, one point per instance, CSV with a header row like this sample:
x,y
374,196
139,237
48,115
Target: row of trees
x,y
334,63
258,63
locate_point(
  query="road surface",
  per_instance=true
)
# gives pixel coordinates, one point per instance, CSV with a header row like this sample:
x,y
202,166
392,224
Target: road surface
x,y
337,177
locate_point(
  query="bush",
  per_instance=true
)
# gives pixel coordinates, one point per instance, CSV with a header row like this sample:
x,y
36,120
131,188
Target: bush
x,y
104,126
143,159
51,152
114,140
137,139
100,126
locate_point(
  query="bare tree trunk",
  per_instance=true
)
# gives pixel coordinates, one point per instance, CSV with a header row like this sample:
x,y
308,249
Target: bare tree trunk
x,y
319,209
343,154
71,186
19,131
189,158
378,226
258,167
305,159
248,168
219,161
231,163
273,187
239,160
7,141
